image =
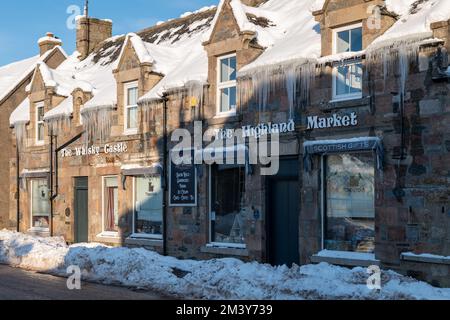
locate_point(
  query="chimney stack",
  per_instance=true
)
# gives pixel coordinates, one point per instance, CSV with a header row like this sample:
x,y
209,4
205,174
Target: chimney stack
x,y
48,43
90,33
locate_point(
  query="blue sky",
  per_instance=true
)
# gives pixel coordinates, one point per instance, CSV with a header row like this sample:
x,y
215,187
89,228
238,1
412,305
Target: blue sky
x,y
23,22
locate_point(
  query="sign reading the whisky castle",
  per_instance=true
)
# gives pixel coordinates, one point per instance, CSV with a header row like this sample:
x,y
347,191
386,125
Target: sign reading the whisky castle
x,y
334,121
183,185
95,150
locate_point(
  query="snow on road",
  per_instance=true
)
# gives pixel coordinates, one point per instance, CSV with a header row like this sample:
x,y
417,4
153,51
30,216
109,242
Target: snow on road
x,y
214,279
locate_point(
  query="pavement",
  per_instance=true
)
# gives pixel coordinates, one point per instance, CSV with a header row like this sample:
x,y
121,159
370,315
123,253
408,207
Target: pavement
x,y
16,284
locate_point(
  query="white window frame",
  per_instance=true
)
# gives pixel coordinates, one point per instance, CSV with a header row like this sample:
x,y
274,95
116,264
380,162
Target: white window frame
x,y
126,106
224,85
104,233
37,122
350,96
217,244
32,227
135,235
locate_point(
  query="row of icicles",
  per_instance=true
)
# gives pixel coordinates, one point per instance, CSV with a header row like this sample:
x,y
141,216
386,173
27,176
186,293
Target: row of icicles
x,y
296,79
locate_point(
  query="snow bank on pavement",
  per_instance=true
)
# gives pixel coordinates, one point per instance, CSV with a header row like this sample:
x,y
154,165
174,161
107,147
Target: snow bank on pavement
x,y
214,279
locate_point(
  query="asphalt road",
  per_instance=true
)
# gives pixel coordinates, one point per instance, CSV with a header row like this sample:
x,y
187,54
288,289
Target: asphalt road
x,y
16,284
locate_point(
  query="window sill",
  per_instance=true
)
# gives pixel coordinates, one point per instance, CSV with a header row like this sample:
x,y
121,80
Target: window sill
x,y
225,250
139,240
348,259
130,132
222,119
425,258
347,103
109,237
39,232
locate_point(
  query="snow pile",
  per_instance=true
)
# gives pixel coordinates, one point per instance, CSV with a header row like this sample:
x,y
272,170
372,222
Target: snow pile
x,y
214,279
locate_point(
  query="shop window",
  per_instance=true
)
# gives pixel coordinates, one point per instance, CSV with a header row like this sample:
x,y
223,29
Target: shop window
x,y
131,108
148,207
227,217
40,205
347,77
40,123
111,204
350,203
227,88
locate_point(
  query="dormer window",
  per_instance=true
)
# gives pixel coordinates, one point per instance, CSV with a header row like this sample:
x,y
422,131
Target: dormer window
x,y
226,85
347,77
131,108
40,123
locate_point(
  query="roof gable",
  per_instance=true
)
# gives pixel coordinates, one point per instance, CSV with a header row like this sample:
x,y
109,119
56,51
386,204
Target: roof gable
x,y
230,20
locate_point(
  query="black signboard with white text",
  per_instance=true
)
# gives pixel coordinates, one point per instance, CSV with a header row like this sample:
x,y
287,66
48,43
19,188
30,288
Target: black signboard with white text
x,y
183,185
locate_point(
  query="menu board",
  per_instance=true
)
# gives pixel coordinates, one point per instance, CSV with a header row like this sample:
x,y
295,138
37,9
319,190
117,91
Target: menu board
x,y
183,185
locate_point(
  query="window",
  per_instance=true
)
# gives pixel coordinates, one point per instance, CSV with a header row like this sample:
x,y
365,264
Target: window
x,y
40,204
131,108
148,207
227,218
40,123
110,204
350,203
347,77
227,92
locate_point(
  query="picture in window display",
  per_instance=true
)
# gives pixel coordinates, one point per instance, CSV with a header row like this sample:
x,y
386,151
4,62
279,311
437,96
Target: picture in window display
x,y
149,206
350,203
40,204
227,203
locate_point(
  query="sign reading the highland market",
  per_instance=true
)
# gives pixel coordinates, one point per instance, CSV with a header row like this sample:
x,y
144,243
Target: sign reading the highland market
x,y
334,121
262,129
95,150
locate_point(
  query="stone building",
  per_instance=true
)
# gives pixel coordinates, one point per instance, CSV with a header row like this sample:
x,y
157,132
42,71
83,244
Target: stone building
x,y
13,80
353,93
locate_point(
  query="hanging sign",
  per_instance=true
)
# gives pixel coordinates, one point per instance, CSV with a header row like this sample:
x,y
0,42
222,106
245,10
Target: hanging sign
x,y
183,185
95,150
334,121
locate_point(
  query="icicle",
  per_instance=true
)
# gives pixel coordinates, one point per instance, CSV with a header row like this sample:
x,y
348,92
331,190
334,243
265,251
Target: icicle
x,y
395,59
20,130
60,125
98,123
295,77
195,92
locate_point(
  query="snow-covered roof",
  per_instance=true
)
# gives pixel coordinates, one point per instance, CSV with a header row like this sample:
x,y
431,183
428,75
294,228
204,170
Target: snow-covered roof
x,y
21,114
415,20
13,74
286,29
293,37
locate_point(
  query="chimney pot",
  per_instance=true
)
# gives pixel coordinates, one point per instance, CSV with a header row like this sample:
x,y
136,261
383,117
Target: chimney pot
x,y
48,42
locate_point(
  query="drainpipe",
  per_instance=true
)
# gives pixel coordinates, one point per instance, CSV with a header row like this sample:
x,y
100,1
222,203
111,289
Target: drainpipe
x,y
18,186
165,166
51,183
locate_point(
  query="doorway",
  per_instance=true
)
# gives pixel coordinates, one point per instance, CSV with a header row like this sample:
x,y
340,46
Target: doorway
x,y
81,208
283,215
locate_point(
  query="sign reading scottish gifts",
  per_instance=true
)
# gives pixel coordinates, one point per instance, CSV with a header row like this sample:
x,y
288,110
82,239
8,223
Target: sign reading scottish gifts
x,y
183,185
95,150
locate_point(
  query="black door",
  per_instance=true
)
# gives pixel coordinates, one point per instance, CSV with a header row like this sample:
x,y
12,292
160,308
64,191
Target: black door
x,y
81,210
283,222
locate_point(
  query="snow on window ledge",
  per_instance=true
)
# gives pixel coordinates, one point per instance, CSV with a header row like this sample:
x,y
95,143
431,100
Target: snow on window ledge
x,y
425,258
226,249
345,258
